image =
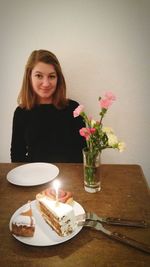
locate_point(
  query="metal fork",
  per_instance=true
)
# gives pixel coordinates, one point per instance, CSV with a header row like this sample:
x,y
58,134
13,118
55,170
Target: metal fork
x,y
114,235
112,221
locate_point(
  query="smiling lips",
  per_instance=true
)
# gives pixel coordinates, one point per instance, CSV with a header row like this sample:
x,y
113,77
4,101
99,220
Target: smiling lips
x,y
46,90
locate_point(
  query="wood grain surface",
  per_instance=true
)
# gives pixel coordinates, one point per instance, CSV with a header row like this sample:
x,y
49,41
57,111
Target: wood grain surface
x,y
124,194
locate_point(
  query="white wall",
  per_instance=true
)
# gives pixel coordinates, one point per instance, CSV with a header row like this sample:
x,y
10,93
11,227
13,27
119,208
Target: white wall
x,y
102,45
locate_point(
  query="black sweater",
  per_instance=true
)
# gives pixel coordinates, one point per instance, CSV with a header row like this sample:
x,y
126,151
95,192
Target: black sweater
x,y
46,134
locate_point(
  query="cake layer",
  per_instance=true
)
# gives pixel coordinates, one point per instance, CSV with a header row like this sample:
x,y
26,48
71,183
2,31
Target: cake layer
x,y
59,216
23,230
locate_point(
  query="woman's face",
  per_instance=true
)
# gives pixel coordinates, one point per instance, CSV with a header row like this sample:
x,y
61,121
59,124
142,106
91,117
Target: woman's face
x,y
44,82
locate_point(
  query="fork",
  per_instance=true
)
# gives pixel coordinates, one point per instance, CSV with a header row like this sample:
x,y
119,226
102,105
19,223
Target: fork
x,y
114,235
112,221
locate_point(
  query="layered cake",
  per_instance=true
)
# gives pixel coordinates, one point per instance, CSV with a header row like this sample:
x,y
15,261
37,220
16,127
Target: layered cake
x,y
60,216
63,196
24,223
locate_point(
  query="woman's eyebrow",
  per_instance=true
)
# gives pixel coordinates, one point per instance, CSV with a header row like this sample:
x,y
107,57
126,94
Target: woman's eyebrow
x,y
40,72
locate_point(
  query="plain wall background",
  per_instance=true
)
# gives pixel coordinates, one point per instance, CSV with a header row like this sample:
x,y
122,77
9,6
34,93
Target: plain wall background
x,y
102,45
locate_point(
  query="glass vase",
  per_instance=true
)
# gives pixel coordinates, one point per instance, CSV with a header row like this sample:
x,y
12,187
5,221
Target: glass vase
x,y
91,169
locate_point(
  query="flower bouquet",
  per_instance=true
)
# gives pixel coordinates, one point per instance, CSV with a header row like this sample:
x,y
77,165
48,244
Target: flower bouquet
x,y
98,137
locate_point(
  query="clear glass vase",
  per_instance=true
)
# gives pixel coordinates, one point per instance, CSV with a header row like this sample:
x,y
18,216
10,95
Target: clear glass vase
x,y
92,171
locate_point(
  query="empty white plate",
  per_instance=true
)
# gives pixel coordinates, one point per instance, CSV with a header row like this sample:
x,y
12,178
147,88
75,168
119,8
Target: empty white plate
x,y
32,174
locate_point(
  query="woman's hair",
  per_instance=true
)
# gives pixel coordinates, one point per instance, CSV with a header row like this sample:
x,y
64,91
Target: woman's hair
x,y
27,97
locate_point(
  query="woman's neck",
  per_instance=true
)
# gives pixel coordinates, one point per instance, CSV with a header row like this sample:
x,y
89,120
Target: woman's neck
x,y
45,101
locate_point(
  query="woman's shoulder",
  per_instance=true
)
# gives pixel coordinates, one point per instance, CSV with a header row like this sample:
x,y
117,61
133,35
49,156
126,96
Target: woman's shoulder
x,y
19,109
72,103
20,112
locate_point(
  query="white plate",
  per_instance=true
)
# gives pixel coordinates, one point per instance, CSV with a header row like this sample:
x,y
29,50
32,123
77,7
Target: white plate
x,y
44,235
32,174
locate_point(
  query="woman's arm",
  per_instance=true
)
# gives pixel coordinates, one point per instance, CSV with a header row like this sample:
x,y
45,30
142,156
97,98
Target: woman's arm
x,y
78,141
18,146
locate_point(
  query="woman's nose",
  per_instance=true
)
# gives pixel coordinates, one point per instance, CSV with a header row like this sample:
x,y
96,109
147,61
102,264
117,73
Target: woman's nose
x,y
46,82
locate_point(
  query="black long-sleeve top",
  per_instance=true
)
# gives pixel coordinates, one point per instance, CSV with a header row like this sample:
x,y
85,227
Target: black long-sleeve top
x,y
47,134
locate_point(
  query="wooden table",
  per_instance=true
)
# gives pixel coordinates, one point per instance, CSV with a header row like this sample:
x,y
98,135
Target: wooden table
x,y
124,193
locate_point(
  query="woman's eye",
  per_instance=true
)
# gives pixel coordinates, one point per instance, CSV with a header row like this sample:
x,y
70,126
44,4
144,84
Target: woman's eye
x,y
52,77
39,76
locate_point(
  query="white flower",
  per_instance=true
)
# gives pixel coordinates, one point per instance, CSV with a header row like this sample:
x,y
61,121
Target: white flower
x,y
93,122
121,146
112,139
107,130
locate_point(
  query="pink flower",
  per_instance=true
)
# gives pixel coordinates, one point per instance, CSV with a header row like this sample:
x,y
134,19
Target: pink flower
x,y
107,101
92,130
78,111
86,132
109,95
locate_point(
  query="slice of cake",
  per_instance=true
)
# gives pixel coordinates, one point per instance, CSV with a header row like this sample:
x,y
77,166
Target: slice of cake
x,y
63,196
59,216
24,223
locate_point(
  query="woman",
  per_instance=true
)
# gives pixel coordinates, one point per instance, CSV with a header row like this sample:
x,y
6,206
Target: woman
x,y
44,129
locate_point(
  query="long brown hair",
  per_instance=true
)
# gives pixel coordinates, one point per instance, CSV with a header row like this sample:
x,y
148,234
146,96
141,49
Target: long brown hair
x,y
27,97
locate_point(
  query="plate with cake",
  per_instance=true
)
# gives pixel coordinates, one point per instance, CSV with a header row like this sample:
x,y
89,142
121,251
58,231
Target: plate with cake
x,y
32,174
45,221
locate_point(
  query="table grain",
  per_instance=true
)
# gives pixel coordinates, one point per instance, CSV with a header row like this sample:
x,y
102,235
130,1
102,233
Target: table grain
x,y
124,194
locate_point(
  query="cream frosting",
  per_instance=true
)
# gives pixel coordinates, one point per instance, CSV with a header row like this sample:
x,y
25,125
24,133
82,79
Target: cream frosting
x,y
63,212
24,220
